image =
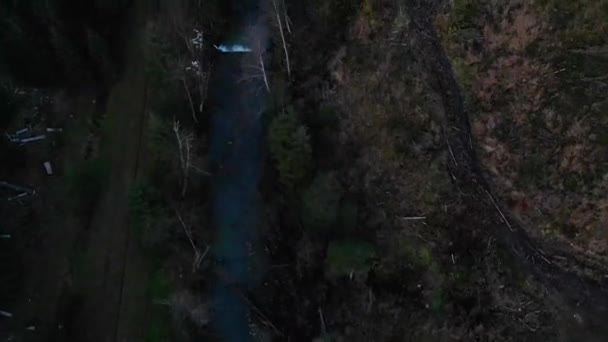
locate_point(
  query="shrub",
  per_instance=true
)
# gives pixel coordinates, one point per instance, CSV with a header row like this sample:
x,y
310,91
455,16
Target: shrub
x,y
149,216
348,257
321,202
464,13
290,148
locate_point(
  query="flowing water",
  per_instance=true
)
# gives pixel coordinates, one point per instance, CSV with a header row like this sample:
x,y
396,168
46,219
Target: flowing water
x,y
238,98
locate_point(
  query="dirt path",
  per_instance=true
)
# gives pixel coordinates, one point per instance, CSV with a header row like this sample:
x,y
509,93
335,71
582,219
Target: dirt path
x,y
114,298
583,300
107,300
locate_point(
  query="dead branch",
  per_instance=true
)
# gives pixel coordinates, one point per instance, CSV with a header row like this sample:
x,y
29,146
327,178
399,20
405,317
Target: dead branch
x,y
204,88
504,218
323,328
186,229
287,20
198,256
194,69
263,69
257,70
230,281
595,51
18,188
185,305
184,145
262,316
450,149
370,301
190,100
274,3
413,218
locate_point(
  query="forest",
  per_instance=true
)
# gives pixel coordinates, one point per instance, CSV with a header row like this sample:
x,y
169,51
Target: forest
x,y
323,170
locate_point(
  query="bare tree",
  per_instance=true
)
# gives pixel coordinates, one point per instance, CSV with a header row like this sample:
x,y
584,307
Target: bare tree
x,y
189,160
254,64
287,20
184,145
255,69
191,68
195,47
280,24
190,101
185,306
198,256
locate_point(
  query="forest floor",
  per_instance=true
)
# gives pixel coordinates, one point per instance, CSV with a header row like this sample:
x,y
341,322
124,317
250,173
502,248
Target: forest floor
x,y
114,288
455,260
87,279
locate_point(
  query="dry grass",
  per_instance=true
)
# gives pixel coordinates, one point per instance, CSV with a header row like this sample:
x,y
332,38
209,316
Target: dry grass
x,y
387,120
538,136
436,278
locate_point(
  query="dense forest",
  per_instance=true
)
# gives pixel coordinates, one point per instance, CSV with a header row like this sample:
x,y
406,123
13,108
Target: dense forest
x,y
324,170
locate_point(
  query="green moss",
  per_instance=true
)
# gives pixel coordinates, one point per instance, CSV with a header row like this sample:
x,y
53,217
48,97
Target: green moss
x,y
464,14
423,261
420,257
368,8
349,256
423,257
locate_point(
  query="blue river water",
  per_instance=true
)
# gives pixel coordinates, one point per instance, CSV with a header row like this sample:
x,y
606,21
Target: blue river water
x,y
237,154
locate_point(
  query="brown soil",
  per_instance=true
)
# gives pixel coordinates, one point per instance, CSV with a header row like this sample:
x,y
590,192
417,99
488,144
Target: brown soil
x,y
114,295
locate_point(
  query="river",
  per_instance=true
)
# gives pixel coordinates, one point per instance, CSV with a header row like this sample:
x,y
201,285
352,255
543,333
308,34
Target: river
x,y
238,98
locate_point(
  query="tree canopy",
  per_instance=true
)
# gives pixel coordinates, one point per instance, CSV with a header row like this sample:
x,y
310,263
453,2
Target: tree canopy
x,y
290,148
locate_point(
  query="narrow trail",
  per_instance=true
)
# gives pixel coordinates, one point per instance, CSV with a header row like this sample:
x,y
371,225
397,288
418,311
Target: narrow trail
x,y
585,298
114,296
